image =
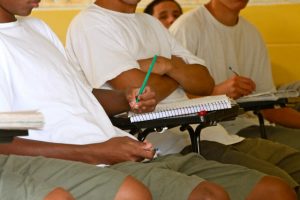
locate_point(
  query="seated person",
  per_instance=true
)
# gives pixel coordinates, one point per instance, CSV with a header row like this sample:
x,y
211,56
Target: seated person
x,y
77,128
166,11
224,39
111,60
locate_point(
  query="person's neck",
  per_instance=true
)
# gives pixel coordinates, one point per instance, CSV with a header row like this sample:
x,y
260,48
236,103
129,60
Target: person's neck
x,y
116,5
6,17
223,14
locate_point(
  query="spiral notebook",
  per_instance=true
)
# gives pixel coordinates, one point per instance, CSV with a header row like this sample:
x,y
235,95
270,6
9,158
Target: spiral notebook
x,y
190,106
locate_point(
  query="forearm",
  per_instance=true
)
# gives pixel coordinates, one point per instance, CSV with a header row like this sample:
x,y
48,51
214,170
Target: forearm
x,y
113,102
218,90
287,117
162,85
195,79
25,147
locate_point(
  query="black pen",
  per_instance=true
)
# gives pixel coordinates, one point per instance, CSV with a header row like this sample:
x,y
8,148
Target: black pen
x,y
230,68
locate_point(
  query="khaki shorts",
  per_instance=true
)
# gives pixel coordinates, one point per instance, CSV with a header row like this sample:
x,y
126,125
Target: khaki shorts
x,y
32,178
175,176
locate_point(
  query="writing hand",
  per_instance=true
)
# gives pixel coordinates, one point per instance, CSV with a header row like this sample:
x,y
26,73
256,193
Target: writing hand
x,y
235,87
147,100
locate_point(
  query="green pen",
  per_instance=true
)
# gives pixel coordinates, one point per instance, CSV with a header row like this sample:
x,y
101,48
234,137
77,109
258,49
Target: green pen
x,y
147,77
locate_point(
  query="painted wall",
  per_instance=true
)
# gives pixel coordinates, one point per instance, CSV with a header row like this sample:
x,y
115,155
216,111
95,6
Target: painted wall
x,y
58,20
280,28
278,24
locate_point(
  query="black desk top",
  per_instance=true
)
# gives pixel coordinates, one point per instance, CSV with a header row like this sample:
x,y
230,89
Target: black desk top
x,y
260,105
209,118
8,135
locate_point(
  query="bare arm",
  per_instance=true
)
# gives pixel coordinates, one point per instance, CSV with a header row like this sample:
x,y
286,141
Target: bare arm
x,y
167,75
287,117
235,87
194,78
161,84
98,153
115,102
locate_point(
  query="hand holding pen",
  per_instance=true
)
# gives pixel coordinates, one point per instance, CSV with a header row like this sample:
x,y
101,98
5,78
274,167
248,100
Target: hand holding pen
x,y
144,99
147,100
146,77
236,86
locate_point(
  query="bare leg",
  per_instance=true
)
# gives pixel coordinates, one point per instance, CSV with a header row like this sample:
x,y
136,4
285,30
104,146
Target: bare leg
x,y
132,189
270,187
59,194
208,190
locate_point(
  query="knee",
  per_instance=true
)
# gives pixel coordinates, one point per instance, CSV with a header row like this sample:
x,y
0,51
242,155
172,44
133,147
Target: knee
x,y
59,194
274,188
208,191
131,189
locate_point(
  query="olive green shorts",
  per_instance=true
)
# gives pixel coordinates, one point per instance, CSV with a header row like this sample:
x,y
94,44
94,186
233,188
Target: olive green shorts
x,y
32,178
255,153
168,177
175,176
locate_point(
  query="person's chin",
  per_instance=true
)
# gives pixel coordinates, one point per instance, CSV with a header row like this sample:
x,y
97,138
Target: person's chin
x,y
26,13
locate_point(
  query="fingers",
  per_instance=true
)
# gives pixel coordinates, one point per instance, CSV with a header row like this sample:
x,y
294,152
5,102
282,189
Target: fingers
x,y
148,94
146,103
146,150
148,145
147,153
246,84
240,86
140,150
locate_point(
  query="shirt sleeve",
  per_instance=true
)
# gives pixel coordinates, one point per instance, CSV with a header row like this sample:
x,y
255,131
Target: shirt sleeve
x,y
94,49
186,55
186,33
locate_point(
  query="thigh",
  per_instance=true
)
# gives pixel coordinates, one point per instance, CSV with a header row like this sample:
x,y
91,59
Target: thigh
x,y
229,176
162,180
15,187
267,150
278,154
230,155
176,173
287,136
82,180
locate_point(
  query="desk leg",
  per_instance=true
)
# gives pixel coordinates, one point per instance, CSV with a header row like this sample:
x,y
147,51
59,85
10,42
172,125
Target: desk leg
x,y
197,135
144,133
262,127
194,136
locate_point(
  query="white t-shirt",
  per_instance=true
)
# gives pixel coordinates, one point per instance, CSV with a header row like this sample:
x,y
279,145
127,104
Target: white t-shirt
x,y
35,75
240,47
105,43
